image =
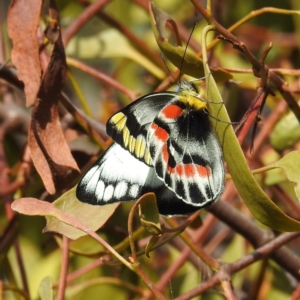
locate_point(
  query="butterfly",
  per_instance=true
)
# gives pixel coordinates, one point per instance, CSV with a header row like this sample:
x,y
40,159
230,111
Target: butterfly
x,y
163,143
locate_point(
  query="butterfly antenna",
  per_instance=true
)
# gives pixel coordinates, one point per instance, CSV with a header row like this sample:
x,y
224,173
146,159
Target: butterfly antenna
x,y
185,50
163,58
219,120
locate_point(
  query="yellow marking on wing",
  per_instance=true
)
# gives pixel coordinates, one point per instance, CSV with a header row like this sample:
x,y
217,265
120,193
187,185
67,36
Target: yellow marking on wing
x,y
140,147
147,157
119,120
134,145
131,144
126,136
137,148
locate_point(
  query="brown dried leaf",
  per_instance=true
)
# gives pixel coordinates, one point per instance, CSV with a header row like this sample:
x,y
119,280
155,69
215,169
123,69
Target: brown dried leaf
x,y
49,151
22,23
187,62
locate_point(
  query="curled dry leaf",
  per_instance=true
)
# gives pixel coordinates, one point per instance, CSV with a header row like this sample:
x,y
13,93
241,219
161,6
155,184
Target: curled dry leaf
x,y
187,62
22,22
49,151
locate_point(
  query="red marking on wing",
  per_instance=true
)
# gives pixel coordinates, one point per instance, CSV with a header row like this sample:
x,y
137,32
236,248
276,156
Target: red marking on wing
x,y
188,170
203,171
154,126
165,153
172,111
179,170
160,133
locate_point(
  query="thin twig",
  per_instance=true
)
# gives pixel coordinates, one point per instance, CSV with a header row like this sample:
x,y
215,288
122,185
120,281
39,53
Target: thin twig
x,y
64,269
256,236
136,266
259,68
82,19
101,76
229,269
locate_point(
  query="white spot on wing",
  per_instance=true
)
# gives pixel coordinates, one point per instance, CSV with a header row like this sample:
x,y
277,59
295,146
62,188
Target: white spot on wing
x,y
108,193
120,190
100,191
134,190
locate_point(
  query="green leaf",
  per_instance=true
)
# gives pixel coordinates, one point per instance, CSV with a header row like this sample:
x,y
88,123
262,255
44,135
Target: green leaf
x,y
92,216
286,132
151,243
84,246
290,163
188,63
149,215
262,208
46,289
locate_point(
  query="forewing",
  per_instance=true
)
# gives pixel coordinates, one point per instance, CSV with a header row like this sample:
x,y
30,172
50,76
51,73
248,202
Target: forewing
x,y
186,154
129,127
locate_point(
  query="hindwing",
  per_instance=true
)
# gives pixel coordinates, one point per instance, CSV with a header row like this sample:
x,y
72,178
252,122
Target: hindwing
x,y
186,154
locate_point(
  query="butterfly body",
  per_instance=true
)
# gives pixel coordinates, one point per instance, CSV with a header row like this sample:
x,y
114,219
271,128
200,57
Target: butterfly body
x,y
164,143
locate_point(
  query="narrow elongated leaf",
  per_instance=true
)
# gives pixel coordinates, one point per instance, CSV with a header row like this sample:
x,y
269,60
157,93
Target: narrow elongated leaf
x,y
23,20
49,150
262,208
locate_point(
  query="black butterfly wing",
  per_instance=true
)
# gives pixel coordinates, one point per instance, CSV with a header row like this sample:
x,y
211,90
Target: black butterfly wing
x,y
186,154
129,127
